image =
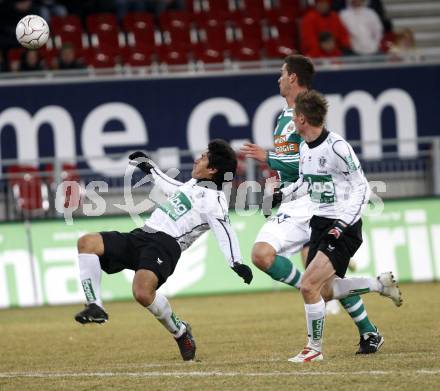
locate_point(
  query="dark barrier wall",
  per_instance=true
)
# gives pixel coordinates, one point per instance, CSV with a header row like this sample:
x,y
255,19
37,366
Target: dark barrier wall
x,y
95,118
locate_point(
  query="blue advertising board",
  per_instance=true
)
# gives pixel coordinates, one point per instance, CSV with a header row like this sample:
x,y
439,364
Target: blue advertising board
x,y
95,118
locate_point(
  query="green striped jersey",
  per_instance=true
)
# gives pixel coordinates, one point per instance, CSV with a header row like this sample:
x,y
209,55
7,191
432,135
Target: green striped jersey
x,y
285,159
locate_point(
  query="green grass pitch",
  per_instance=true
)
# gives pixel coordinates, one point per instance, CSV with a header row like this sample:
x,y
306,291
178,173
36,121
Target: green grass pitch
x,y
243,344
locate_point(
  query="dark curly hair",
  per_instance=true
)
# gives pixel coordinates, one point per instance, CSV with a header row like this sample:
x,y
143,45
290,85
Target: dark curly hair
x,y
221,157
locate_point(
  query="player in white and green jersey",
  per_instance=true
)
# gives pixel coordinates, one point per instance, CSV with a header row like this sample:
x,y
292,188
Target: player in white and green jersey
x,y
331,176
191,209
288,232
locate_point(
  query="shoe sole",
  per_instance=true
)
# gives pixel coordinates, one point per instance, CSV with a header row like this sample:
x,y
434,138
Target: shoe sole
x,y
83,320
397,297
318,358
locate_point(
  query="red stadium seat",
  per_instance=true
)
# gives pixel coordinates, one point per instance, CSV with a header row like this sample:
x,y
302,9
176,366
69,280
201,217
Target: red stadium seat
x,y
172,55
137,56
104,28
250,30
69,173
253,8
178,25
218,6
29,191
276,48
14,58
67,29
213,31
288,6
141,26
207,55
244,52
282,26
99,58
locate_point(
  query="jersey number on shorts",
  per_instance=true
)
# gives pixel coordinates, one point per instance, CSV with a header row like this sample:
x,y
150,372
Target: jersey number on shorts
x,y
176,205
321,188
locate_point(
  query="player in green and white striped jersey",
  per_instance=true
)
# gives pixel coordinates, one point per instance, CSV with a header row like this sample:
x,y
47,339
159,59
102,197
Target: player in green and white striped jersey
x,y
288,232
285,159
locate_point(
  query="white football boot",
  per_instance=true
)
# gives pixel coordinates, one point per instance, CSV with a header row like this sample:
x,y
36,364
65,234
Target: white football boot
x,y
390,288
307,355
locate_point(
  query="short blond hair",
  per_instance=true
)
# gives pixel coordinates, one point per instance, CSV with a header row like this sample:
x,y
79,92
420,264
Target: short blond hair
x,y
313,106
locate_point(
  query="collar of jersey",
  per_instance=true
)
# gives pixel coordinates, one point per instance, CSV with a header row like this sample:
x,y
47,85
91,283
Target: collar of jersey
x,y
199,181
319,140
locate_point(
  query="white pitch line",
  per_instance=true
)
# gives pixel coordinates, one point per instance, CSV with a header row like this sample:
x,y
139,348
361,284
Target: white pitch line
x,y
212,374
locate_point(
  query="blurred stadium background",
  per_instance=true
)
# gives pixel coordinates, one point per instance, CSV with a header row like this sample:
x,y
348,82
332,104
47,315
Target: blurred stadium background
x,y
167,76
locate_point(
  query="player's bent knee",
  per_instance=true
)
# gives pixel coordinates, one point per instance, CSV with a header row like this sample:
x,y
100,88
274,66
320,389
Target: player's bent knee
x,y
307,287
89,243
263,255
143,297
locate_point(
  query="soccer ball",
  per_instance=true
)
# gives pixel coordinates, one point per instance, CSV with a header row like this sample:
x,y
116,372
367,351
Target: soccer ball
x,y
32,31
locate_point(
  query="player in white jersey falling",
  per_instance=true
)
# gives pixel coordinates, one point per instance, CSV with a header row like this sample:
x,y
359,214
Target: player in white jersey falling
x,y
331,175
288,232
152,252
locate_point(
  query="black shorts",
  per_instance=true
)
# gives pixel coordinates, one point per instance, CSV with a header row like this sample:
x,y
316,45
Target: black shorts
x,y
157,252
346,246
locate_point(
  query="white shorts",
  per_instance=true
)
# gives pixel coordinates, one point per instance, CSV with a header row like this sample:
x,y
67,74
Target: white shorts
x,y
289,230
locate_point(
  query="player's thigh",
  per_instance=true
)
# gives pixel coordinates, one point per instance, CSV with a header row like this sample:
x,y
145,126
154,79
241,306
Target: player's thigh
x,y
159,254
119,252
286,235
91,243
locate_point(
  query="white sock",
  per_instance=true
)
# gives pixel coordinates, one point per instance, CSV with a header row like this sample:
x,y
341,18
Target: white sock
x,y
90,276
315,317
344,287
161,309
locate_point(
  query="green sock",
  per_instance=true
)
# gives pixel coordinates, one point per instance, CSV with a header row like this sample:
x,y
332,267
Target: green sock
x,y
355,308
283,270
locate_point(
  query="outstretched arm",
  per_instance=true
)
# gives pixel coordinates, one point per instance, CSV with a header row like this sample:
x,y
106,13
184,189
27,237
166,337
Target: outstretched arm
x,y
228,243
167,184
279,162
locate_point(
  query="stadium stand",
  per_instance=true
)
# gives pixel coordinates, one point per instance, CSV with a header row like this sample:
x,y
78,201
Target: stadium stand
x,y
29,191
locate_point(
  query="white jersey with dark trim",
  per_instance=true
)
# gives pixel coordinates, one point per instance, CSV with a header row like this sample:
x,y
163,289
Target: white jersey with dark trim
x,y
331,174
191,210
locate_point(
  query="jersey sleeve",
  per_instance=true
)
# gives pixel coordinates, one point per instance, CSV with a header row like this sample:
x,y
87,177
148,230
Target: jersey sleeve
x,y
283,163
226,238
295,190
348,164
167,184
218,221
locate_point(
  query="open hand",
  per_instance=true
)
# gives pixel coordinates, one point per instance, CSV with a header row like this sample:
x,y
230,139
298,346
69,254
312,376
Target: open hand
x,y
254,151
